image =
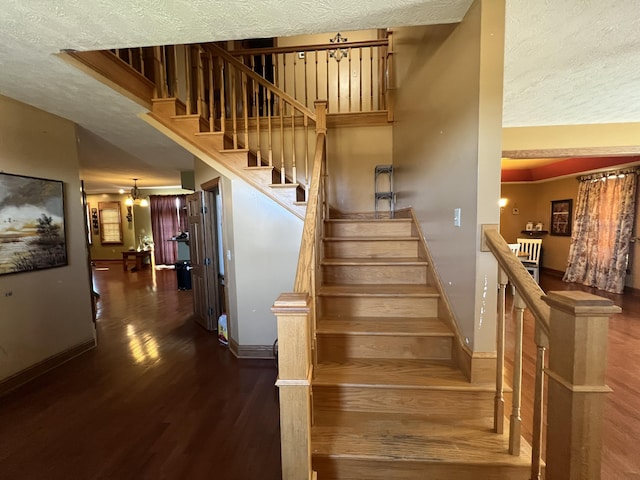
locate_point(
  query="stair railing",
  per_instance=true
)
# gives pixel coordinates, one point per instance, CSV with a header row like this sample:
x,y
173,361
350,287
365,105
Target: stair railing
x,y
296,317
572,325
353,76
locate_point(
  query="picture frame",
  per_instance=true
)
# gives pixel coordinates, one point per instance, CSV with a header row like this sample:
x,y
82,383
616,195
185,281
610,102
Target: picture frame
x,y
32,224
561,217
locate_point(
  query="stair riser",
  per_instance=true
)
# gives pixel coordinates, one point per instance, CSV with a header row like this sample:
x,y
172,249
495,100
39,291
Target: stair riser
x,y
213,142
455,403
378,306
338,348
331,468
370,248
374,274
368,229
189,125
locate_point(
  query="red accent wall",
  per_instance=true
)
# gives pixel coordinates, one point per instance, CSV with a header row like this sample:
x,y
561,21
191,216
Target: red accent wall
x,y
569,166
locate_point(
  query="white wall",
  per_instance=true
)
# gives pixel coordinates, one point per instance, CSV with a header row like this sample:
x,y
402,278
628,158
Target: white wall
x,y
46,312
263,240
447,136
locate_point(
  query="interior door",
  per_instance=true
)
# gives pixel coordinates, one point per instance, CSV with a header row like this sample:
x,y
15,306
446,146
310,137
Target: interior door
x,y
199,275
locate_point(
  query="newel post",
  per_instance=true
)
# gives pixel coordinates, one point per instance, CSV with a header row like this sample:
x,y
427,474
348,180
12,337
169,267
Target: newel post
x,y
579,325
294,382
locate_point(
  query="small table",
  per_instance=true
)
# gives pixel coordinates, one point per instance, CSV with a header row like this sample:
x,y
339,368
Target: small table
x,y
139,258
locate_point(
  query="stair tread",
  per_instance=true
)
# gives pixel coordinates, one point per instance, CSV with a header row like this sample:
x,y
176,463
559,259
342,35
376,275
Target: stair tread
x,y
376,261
405,437
433,327
396,373
209,134
369,220
373,290
371,239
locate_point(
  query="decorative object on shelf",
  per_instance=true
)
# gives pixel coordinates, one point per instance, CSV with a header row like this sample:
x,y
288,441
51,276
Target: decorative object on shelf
x,y
338,53
135,198
32,233
529,226
539,227
94,221
561,217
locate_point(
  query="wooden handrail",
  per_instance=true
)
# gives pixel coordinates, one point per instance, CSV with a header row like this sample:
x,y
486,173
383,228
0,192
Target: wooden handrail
x,y
526,286
305,264
305,48
257,78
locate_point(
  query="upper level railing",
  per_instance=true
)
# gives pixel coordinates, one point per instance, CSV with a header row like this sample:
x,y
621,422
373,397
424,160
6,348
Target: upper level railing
x,y
573,326
352,76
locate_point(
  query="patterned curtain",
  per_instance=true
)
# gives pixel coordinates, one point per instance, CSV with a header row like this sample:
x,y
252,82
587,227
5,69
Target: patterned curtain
x,y
603,225
164,225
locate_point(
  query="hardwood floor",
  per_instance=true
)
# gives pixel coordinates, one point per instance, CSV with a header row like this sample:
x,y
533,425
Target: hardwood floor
x,y
621,432
159,398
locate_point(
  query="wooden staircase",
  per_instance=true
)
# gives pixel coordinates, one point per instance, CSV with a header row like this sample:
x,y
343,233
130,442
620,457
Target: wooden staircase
x,y
388,400
193,132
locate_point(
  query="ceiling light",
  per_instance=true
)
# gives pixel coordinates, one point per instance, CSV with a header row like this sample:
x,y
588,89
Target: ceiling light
x,y
135,198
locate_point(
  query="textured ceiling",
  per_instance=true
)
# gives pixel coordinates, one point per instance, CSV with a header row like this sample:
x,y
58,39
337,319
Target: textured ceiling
x,y
566,62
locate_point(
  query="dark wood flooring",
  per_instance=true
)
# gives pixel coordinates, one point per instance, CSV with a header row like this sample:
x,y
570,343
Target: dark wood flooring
x,y
621,423
159,398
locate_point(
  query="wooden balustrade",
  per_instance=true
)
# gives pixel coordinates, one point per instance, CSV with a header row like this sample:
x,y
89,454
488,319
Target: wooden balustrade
x,y
352,76
573,326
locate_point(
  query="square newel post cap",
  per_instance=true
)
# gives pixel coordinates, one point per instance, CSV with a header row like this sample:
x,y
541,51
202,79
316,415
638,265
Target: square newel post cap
x,y
581,304
291,303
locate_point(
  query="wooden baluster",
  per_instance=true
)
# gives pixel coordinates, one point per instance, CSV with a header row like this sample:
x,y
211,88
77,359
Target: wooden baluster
x,y
317,95
284,81
212,103
187,77
515,420
295,74
223,103
234,104
201,106
245,109
349,98
256,93
306,158
498,406
380,77
269,136
306,93
173,65
338,54
141,55
264,91
578,337
254,101
130,58
326,53
360,75
389,103
282,166
294,378
161,89
276,77
542,343
371,108
294,171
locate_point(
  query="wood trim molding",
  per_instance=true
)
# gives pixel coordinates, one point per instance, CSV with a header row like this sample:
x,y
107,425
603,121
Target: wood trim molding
x,y
34,371
251,351
573,152
105,67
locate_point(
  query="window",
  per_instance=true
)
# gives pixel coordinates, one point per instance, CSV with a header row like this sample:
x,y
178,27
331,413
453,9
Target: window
x,y
110,222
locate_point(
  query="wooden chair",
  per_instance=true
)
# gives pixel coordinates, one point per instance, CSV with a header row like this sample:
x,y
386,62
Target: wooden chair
x,y
515,248
532,246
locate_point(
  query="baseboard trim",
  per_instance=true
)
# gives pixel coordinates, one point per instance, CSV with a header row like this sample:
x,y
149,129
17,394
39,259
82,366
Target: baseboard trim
x,y
34,371
479,367
553,273
251,351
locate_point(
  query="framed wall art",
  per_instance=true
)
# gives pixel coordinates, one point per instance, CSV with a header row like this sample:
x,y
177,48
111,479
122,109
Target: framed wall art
x,y
32,233
561,217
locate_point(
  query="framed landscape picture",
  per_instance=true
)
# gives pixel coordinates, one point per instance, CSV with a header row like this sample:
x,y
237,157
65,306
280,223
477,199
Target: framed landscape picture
x,y
32,234
561,217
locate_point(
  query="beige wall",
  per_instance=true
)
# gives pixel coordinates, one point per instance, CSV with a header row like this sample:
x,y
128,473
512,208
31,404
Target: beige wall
x,y
446,150
46,312
261,240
